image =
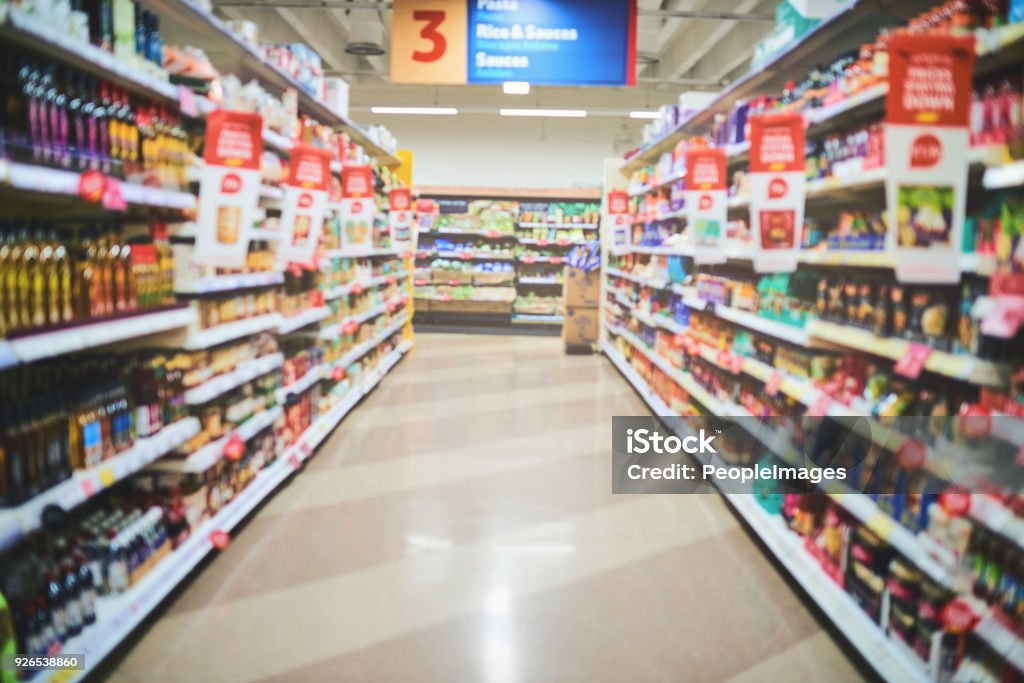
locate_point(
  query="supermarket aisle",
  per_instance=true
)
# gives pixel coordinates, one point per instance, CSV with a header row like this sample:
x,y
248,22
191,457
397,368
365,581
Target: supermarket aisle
x,y
459,526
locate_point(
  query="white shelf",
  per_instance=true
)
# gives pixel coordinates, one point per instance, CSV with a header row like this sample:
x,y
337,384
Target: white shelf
x,y
41,179
34,347
996,517
560,226
335,329
1005,176
300,320
551,243
225,332
531,319
361,350
371,380
277,142
654,284
17,522
349,253
539,281
24,29
963,367
302,384
224,283
207,456
680,250
245,372
365,283
470,255
1002,640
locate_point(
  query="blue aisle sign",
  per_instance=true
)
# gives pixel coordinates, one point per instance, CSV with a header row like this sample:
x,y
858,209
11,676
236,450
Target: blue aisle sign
x,y
552,42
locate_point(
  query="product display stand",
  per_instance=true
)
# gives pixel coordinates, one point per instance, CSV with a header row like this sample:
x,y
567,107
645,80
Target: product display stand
x,y
223,381
493,258
696,338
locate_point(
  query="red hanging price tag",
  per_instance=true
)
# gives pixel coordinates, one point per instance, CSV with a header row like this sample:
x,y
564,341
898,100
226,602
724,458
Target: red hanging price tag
x,y
220,539
408,255
527,259
974,421
955,504
234,448
820,406
542,243
911,454
561,241
736,364
112,199
679,340
957,617
88,487
391,279
774,383
445,297
357,288
493,233
337,373
419,282
466,255
557,260
91,185
453,283
724,359
293,461
913,360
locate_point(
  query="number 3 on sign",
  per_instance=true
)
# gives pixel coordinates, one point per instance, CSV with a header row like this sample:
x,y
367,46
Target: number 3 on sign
x,y
429,40
434,19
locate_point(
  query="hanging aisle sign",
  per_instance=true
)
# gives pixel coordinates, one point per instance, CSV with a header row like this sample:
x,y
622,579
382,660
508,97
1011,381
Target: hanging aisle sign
x,y
229,188
926,144
304,206
777,190
542,42
357,215
706,203
618,219
400,217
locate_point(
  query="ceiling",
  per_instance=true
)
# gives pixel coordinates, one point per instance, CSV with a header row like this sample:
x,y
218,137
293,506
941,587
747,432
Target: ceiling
x,y
694,45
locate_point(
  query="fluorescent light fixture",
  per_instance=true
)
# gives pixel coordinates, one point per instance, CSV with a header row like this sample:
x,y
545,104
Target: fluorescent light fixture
x,y
516,88
425,111
644,114
556,113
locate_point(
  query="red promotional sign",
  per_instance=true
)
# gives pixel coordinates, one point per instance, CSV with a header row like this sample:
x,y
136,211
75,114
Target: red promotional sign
x,y
91,185
913,360
234,139
400,199
618,202
310,168
777,143
930,79
705,169
356,181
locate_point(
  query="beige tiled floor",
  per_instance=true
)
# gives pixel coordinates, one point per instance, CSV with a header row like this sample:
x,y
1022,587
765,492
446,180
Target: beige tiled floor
x,y
459,526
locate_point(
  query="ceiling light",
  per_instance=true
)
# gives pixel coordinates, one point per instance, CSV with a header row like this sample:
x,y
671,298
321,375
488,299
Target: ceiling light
x,y
644,114
556,113
426,111
516,88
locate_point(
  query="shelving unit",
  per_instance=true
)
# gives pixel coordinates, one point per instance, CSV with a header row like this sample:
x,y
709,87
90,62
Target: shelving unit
x,y
534,249
637,282
204,295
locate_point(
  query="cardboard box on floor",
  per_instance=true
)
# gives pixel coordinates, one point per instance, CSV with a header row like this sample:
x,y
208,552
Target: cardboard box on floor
x,y
581,325
582,289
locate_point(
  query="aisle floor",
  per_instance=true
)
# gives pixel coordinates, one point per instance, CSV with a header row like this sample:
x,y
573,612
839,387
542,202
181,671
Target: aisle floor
x,y
460,526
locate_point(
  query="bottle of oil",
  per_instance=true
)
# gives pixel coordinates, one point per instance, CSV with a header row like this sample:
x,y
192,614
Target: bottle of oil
x,y
12,283
63,278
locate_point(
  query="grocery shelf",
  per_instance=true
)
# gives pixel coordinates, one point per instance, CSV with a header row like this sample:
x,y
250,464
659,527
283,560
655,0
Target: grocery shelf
x,y
655,284
335,330
350,253
44,180
364,283
362,349
1007,175
187,22
39,345
371,380
1002,641
540,281
530,319
550,243
207,456
302,384
963,367
883,653
483,234
530,258
244,372
559,226
997,518
18,522
681,250
753,321
298,321
464,255
223,283
225,332
24,30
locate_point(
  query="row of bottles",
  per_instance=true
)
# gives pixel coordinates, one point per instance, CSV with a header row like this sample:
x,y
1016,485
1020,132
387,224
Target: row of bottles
x,y
48,279
56,417
57,117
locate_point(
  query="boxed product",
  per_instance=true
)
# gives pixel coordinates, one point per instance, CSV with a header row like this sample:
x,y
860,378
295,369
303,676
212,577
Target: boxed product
x,y
581,324
582,288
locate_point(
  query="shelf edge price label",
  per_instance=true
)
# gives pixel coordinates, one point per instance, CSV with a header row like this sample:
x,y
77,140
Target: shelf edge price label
x,y
820,406
913,360
774,383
